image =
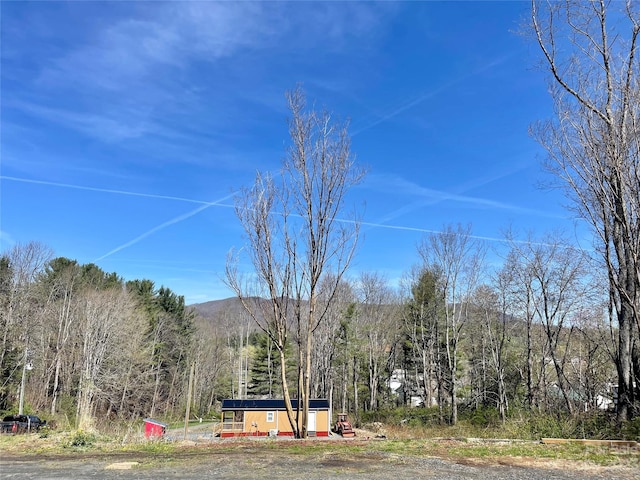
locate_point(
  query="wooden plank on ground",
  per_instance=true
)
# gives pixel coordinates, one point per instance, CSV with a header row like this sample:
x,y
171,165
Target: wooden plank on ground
x,y
593,443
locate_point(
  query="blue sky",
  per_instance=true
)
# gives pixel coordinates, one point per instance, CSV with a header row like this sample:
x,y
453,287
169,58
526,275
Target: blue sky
x,y
128,126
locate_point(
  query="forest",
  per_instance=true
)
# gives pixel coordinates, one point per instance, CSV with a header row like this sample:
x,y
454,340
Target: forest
x,y
534,340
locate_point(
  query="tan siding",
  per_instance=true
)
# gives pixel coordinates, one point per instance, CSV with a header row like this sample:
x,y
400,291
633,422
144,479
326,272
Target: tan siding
x,y
322,420
280,423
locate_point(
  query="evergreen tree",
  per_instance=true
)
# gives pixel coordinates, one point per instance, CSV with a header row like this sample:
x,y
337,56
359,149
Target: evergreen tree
x,y
265,368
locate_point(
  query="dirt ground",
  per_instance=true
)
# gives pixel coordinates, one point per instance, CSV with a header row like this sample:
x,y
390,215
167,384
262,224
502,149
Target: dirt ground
x,y
206,457
258,463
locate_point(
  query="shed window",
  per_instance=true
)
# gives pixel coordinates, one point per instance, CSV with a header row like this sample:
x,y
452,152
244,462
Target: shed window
x,y
270,417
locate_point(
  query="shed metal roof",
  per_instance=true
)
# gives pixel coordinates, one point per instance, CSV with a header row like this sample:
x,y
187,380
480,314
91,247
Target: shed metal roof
x,y
270,404
155,422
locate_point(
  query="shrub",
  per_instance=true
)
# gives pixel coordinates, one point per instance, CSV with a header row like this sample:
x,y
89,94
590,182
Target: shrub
x,y
483,417
631,430
597,426
67,409
404,416
82,439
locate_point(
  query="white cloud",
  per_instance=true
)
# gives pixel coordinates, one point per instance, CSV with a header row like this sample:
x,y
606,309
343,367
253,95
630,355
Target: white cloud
x,y
130,51
171,36
104,127
132,74
6,241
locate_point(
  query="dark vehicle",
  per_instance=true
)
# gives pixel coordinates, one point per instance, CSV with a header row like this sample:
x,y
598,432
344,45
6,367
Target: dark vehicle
x,y
21,424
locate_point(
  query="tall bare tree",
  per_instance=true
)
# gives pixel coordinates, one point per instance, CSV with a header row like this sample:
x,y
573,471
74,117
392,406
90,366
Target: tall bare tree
x,y
379,317
326,367
107,328
591,51
297,239
491,307
20,312
61,281
459,259
554,288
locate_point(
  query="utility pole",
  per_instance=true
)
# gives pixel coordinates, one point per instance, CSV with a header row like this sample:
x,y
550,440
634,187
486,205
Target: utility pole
x,y
25,366
189,394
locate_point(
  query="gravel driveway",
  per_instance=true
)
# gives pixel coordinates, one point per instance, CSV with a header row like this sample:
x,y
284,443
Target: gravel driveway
x,y
271,465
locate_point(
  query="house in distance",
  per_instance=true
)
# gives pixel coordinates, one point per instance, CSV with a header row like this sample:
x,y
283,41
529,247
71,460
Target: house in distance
x,y
259,417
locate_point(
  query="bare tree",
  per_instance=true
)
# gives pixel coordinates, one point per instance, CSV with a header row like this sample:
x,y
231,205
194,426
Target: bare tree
x,y
492,308
297,240
61,281
213,360
326,367
555,288
516,281
20,312
592,370
459,259
379,314
590,49
105,331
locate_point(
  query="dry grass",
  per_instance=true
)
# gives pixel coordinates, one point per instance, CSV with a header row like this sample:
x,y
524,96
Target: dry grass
x,y
398,441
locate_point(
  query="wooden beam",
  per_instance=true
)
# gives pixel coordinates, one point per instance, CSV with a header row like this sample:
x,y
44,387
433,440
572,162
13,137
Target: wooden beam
x,y
594,443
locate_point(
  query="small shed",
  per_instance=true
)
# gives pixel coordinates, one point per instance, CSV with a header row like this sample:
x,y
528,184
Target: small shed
x,y
259,417
154,428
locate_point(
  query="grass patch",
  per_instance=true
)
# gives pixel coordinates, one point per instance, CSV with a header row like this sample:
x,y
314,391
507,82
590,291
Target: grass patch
x,y
401,441
570,452
485,423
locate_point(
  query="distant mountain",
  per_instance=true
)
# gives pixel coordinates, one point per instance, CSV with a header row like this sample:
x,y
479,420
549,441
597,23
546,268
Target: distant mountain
x,y
230,311
215,308
225,313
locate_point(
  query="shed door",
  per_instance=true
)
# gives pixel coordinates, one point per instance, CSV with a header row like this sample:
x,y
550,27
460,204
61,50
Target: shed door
x,y
311,424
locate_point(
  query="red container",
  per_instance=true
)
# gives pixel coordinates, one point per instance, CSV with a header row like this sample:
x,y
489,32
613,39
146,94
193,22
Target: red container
x,y
154,428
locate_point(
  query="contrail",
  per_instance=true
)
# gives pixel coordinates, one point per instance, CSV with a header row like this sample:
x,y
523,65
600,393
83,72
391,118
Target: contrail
x,y
477,237
401,109
430,197
104,190
204,206
425,230
164,225
424,96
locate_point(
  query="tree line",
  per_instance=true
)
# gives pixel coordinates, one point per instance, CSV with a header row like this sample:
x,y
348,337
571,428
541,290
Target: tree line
x,y
534,335
95,346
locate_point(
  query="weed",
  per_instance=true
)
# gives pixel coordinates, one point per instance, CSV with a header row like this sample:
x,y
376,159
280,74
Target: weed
x,y
631,430
82,439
